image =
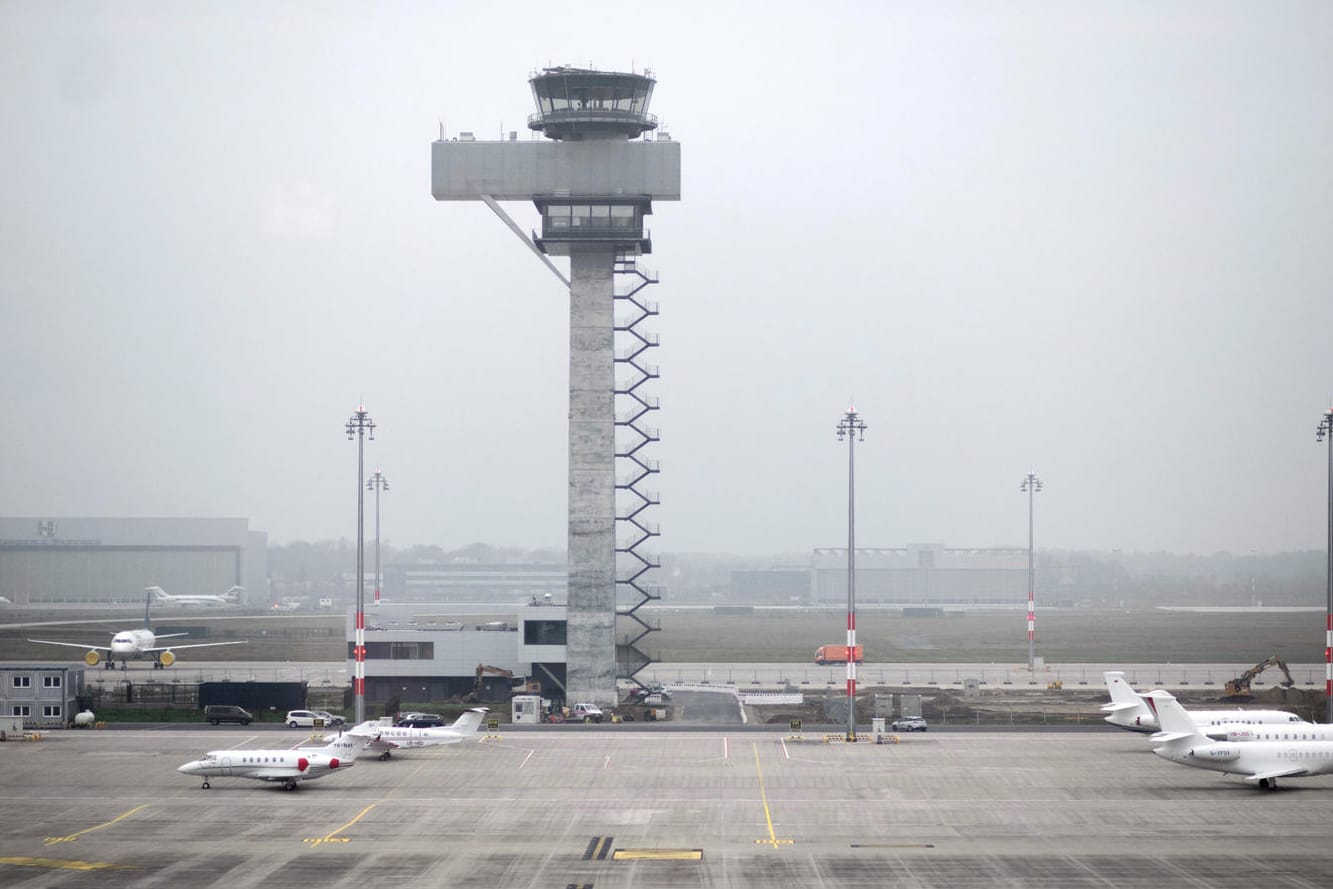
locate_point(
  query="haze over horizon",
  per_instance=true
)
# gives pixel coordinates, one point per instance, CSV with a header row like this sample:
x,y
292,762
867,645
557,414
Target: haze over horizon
x,y
1088,242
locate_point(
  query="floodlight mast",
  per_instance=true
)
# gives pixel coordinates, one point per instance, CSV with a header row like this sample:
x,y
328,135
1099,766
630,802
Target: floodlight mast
x,y
1325,431
1031,485
851,428
360,427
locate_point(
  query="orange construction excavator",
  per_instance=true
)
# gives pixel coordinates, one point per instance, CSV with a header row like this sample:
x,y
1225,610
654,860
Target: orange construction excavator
x,y
1241,684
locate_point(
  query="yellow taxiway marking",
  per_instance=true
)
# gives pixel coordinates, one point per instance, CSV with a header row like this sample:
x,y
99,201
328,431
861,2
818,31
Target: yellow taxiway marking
x,y
332,836
657,855
768,815
51,841
61,863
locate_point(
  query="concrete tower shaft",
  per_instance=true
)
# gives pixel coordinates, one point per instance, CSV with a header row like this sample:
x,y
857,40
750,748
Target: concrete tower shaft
x,y
593,184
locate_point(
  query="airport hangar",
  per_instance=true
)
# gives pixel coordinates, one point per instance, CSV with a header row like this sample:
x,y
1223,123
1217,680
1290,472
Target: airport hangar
x,y
77,561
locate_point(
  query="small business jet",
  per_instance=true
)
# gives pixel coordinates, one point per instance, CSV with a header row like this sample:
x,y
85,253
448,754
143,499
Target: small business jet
x,y
1261,762
128,644
387,738
288,766
230,597
1128,711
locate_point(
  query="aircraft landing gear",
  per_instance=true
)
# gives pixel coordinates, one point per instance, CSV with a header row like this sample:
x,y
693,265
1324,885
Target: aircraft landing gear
x,y
289,785
384,756
205,786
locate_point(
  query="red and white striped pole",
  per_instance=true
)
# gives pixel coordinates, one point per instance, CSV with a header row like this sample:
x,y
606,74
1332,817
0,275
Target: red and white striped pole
x,y
852,428
359,425
1325,430
1031,484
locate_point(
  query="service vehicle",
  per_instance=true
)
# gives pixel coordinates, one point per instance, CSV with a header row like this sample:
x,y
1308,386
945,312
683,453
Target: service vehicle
x,y
586,713
836,654
220,713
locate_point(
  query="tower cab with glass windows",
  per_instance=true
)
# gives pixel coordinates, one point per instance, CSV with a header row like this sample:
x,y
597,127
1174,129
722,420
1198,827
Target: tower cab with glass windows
x,y
580,105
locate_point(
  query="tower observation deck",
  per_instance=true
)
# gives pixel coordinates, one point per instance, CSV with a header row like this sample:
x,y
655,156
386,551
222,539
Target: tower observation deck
x,y
593,180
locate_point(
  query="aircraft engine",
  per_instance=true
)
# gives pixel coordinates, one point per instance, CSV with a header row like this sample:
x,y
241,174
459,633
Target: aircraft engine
x,y
92,658
166,659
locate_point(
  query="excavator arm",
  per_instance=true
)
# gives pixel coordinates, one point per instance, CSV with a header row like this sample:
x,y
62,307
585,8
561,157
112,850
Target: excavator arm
x,y
1241,684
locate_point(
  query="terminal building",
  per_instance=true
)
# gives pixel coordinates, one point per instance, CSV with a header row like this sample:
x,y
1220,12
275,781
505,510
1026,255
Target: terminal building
x,y
76,561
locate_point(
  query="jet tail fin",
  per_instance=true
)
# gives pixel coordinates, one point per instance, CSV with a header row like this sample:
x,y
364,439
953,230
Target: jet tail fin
x,y
1177,725
347,745
469,722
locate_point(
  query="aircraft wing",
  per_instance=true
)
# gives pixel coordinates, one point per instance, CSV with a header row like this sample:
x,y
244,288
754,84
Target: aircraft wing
x,y
71,644
195,645
1290,772
170,635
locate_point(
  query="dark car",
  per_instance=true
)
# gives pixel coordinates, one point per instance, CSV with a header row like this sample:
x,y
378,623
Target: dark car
x,y
220,713
420,720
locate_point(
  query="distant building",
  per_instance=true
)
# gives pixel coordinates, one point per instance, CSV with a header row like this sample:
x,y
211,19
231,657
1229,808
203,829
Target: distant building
x,y
66,561
463,581
922,574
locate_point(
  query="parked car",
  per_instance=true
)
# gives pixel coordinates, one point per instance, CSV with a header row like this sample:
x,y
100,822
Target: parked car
x,y
642,694
220,713
419,720
909,724
309,718
332,719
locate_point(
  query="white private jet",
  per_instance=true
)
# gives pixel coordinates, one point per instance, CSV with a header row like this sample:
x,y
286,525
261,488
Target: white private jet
x,y
1261,762
387,738
288,766
230,597
137,643
1129,711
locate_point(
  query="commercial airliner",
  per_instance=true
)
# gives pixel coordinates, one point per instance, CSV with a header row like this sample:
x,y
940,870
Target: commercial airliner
x,y
1128,711
230,597
1261,762
387,738
288,766
129,644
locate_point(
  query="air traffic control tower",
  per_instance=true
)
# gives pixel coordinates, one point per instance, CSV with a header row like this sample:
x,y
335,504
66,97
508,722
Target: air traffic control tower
x,y
593,179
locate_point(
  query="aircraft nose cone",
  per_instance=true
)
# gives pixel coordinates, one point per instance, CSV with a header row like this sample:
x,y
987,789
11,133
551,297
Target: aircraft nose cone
x,y
188,767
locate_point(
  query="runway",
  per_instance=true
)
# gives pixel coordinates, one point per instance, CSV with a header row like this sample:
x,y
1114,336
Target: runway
x,y
642,808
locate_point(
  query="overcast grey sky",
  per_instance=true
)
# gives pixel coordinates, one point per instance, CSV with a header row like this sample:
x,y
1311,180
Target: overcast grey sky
x,y
1093,241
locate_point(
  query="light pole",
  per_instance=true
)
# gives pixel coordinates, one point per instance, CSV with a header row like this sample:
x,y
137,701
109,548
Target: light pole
x,y
1325,430
360,426
377,483
1031,485
851,428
